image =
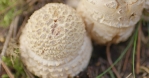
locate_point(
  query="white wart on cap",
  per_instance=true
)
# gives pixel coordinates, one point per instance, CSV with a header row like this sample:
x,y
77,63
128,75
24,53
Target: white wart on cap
x,y
54,43
110,20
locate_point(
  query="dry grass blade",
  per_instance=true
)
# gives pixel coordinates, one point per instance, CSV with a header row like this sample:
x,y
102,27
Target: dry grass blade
x,y
129,75
14,31
145,69
126,60
7,69
15,22
110,61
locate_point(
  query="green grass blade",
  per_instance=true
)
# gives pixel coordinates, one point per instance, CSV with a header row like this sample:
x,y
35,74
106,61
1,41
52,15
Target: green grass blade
x,y
134,52
111,74
120,57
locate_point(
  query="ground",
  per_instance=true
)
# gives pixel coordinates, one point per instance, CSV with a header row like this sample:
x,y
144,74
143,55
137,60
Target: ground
x,y
130,57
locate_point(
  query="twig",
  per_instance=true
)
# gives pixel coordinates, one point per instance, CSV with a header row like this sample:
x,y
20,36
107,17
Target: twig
x,y
14,30
7,69
126,60
138,51
21,27
8,38
9,35
110,61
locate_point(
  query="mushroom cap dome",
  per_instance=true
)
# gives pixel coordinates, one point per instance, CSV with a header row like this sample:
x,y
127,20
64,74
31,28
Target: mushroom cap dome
x,y
146,6
53,38
116,13
109,20
72,3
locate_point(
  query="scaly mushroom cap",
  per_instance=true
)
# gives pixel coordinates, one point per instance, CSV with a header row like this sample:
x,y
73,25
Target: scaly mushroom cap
x,y
54,43
109,20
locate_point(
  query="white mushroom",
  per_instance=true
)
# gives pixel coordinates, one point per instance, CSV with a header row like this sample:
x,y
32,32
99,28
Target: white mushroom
x,y
72,3
146,4
110,20
54,43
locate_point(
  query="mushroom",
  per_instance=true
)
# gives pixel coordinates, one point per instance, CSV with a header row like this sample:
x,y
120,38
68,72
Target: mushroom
x,y
110,20
146,4
72,3
54,43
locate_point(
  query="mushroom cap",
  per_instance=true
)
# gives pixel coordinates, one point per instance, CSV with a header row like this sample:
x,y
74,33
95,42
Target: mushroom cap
x,y
72,3
108,19
146,4
104,34
54,43
116,13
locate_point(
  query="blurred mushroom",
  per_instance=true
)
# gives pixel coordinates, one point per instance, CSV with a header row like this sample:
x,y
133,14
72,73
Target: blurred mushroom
x,y
146,4
54,43
72,3
110,20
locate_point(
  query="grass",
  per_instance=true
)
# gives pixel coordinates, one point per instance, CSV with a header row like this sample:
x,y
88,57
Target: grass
x,y
121,56
134,52
111,74
8,10
5,76
16,66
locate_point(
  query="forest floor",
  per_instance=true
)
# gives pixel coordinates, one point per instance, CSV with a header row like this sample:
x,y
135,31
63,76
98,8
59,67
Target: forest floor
x,y
129,59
